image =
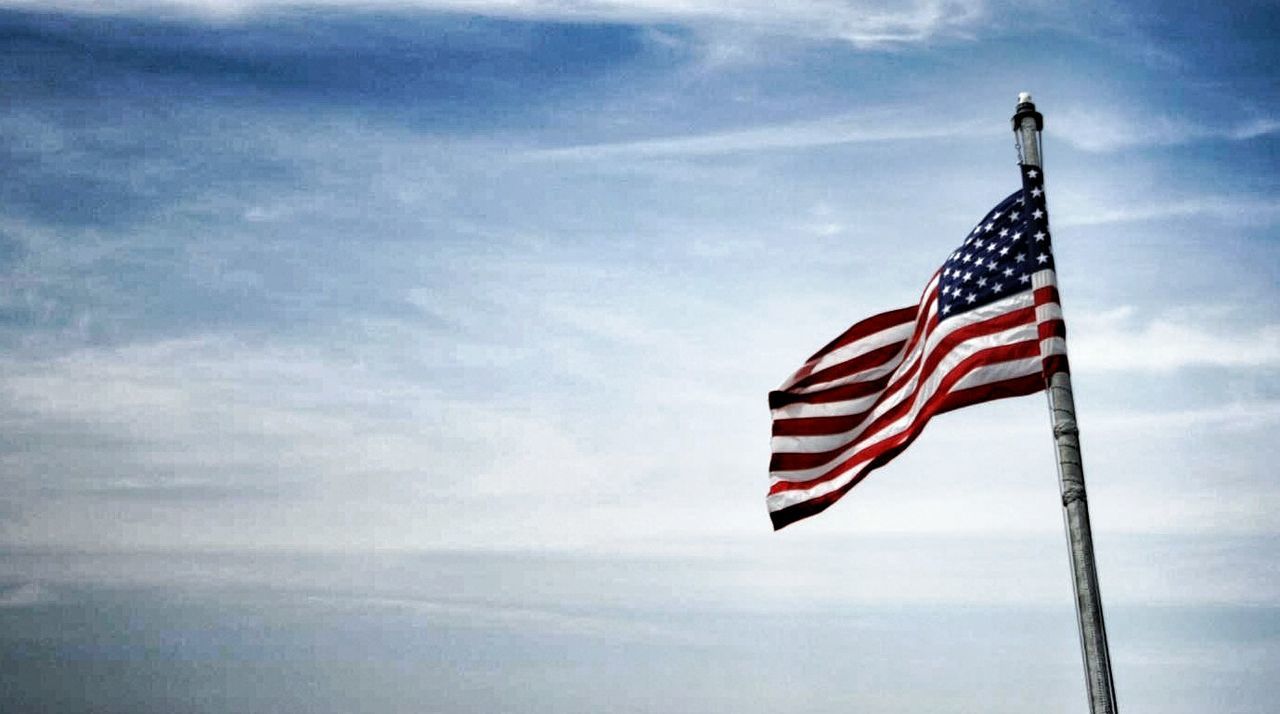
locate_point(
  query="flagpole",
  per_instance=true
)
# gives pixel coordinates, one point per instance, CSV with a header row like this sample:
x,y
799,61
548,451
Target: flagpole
x,y
1027,123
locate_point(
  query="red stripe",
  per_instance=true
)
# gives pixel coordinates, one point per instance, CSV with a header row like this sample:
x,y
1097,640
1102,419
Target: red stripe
x,y
1001,353
991,325
782,398
844,392
1051,328
940,399
818,426
1046,294
864,361
791,461
924,321
1054,364
866,328
1015,387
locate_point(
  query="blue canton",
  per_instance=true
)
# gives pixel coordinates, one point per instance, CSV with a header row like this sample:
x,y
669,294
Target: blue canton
x,y
1001,252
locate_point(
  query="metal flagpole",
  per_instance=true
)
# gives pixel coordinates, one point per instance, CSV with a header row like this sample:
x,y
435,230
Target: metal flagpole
x,y
1027,123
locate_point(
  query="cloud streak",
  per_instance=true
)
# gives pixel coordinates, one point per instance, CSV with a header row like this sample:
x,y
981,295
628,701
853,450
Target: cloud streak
x,y
831,131
1115,341
864,23
1230,209
1103,130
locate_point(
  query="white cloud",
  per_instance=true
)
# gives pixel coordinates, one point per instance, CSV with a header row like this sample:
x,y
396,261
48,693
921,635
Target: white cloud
x,y
1116,341
830,131
489,615
1103,130
211,418
863,23
25,595
1078,212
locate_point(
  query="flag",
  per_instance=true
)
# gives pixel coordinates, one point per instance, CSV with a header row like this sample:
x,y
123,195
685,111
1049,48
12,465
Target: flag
x,y
988,326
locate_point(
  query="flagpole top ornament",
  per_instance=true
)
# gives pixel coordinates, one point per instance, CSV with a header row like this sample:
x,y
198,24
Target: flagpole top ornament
x,y
1026,109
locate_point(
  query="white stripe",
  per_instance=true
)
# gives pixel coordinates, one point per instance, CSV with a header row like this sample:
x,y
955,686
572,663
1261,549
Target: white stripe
x,y
1053,346
849,406
983,375
887,336
867,375
998,372
1048,311
922,347
1044,279
818,444
888,367
783,499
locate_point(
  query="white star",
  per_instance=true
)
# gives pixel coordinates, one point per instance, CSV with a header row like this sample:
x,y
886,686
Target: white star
x,y
1004,251
1003,232
1017,235
964,258
1042,258
1039,236
991,245
987,228
946,309
982,282
966,277
970,298
996,216
1038,214
1035,192
1032,173
979,245
1008,272
1013,217
997,288
1020,257
1025,278
1022,201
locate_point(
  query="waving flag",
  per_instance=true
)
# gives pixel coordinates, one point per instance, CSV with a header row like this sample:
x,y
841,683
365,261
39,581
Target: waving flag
x,y
988,326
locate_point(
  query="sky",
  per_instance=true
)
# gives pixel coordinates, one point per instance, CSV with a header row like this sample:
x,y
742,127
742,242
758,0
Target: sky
x,y
466,280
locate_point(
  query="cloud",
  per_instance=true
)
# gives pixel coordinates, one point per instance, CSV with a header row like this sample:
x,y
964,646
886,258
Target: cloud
x,y
489,615
1225,208
1116,341
25,595
1105,130
831,131
862,23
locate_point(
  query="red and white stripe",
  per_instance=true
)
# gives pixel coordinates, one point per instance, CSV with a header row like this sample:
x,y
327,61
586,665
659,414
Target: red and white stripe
x,y
868,394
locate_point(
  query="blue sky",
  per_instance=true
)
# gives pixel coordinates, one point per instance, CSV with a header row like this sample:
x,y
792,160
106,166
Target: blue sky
x,y
479,276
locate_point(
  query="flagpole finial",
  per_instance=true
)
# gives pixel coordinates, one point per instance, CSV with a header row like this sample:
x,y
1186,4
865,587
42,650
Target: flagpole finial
x,y
1026,109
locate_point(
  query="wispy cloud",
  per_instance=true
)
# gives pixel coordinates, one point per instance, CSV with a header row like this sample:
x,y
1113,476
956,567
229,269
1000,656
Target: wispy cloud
x,y
862,23
1103,130
831,131
1235,416
1118,341
489,615
1231,209
25,595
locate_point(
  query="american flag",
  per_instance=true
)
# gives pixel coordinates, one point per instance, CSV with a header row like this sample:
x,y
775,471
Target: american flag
x,y
988,326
